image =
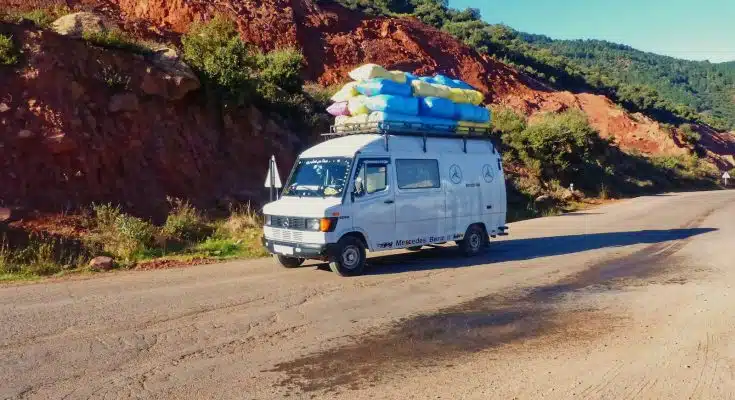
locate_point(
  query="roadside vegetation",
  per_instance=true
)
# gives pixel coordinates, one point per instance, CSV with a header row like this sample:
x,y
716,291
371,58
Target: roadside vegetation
x,y
545,158
41,17
8,52
185,237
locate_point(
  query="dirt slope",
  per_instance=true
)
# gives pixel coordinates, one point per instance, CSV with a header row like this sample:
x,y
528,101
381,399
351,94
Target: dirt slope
x,y
334,40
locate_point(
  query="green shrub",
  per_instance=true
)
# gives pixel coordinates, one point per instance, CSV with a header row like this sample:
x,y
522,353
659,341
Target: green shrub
x,y
184,223
216,51
8,53
41,256
42,17
282,68
320,94
115,39
120,235
559,146
689,134
507,121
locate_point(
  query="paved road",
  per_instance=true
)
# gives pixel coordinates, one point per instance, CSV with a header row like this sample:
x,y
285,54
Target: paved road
x,y
631,300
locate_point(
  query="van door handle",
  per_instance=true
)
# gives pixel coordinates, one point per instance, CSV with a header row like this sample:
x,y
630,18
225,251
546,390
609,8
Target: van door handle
x,y
388,202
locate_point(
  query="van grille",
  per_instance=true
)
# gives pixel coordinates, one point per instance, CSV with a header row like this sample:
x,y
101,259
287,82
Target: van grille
x,y
287,235
289,222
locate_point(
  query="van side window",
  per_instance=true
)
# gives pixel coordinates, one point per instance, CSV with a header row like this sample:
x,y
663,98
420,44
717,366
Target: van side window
x,y
418,174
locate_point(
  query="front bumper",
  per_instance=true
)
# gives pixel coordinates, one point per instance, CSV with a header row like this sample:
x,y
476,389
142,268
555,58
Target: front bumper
x,y
300,250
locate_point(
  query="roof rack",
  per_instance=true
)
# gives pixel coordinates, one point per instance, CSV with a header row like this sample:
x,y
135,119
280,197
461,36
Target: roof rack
x,y
411,129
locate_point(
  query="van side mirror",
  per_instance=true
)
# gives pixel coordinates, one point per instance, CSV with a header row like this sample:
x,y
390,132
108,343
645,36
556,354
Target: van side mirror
x,y
359,190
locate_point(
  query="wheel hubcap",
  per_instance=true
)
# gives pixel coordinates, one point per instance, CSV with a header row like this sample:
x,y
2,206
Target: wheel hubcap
x,y
350,257
475,241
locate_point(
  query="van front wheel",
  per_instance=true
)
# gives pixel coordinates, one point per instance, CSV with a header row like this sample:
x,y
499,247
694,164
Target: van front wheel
x,y
349,257
288,262
474,241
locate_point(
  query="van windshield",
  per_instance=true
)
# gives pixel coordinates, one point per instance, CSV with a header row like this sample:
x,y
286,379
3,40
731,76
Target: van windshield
x,y
319,177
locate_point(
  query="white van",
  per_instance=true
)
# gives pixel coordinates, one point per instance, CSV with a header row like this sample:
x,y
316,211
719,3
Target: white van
x,y
385,191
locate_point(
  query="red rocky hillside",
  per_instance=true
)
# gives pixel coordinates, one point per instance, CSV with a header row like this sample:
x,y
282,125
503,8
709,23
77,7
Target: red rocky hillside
x,y
67,140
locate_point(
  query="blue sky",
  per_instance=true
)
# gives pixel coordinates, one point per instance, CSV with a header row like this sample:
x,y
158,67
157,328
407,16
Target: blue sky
x,y
690,29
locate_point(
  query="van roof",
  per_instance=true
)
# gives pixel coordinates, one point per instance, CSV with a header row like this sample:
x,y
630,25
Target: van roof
x,y
349,145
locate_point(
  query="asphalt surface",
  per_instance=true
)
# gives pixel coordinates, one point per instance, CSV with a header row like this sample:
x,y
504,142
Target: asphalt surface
x,y
631,300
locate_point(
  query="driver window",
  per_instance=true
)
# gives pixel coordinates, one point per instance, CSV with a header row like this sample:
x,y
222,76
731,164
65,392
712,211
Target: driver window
x,y
376,178
372,178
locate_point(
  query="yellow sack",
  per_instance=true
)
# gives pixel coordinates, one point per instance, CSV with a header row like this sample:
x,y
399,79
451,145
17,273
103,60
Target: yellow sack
x,y
357,106
398,76
370,71
347,92
475,97
425,89
465,96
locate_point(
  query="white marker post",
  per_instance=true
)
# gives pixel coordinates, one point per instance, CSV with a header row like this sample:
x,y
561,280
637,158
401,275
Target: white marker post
x,y
272,179
725,177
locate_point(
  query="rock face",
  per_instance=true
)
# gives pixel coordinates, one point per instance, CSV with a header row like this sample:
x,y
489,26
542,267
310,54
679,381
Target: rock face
x,y
123,102
68,139
76,24
101,263
178,78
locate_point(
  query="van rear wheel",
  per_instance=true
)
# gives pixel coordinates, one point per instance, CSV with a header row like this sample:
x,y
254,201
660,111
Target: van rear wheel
x,y
349,257
474,241
288,262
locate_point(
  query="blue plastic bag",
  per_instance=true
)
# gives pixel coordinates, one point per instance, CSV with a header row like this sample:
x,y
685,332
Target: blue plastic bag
x,y
375,87
437,107
452,83
393,104
427,79
472,113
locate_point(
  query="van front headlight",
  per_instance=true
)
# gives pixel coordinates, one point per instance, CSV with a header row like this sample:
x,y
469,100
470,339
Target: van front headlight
x,y
268,220
313,224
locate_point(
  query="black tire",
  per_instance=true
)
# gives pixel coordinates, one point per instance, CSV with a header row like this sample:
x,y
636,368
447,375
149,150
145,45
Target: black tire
x,y
349,257
474,241
288,262
414,248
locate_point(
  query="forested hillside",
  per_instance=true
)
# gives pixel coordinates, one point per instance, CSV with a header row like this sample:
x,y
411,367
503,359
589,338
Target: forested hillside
x,y
708,88
667,89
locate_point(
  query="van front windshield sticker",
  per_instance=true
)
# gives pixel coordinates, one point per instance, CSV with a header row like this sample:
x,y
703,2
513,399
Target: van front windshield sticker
x,y
319,177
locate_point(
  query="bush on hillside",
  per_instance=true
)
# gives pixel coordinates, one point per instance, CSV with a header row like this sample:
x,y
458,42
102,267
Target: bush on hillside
x,y
559,146
281,68
41,17
689,135
8,53
115,39
224,62
507,121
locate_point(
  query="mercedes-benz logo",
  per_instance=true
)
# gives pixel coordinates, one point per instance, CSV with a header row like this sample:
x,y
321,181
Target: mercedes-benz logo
x,y
487,173
455,174
285,222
